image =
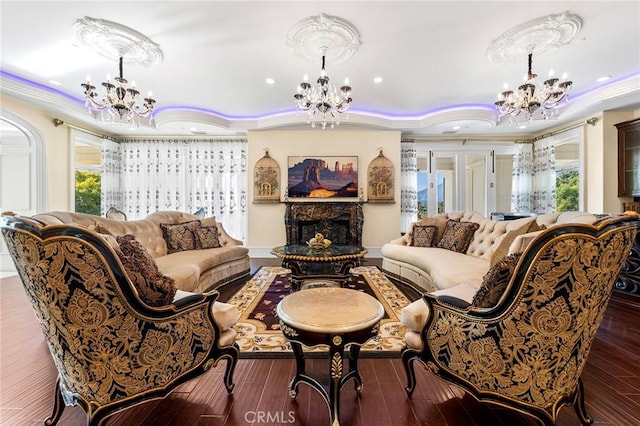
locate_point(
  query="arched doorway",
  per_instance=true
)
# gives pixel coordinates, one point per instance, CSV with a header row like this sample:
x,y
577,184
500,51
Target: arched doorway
x,y
23,186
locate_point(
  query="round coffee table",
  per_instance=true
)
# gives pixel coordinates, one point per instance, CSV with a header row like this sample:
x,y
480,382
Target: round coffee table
x,y
336,317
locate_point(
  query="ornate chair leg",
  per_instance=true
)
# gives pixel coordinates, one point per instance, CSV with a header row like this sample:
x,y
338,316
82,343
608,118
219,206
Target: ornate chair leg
x,y
408,358
232,359
580,407
58,406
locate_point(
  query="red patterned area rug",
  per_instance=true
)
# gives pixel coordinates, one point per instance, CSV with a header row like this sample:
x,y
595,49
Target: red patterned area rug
x,y
259,334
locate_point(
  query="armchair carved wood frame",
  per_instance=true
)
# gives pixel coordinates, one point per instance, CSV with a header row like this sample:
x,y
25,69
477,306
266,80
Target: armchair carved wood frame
x,y
111,350
527,353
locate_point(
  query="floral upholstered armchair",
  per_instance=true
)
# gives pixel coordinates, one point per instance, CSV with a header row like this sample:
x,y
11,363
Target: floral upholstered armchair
x,y
527,350
111,349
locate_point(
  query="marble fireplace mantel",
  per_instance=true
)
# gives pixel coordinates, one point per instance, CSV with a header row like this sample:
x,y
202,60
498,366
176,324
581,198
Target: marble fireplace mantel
x,y
341,222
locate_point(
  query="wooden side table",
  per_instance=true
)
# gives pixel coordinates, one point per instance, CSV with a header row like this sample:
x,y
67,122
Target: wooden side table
x,y
336,317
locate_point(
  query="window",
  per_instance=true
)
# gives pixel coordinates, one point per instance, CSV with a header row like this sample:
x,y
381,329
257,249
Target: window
x,y
86,160
567,177
464,177
567,159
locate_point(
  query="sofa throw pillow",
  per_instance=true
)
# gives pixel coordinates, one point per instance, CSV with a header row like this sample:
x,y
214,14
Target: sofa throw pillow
x,y
458,235
180,236
154,288
207,237
495,282
424,236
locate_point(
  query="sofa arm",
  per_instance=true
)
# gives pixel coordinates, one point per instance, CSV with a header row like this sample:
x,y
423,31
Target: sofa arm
x,y
521,242
400,241
226,239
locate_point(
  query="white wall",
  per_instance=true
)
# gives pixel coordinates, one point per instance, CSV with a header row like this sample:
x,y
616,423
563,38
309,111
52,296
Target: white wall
x,y
266,221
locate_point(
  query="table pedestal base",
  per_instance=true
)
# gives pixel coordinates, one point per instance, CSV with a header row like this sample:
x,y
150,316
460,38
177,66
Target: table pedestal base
x,y
336,377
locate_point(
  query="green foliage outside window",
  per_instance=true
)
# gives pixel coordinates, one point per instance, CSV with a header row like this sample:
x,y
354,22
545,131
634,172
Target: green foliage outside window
x,y
567,190
88,192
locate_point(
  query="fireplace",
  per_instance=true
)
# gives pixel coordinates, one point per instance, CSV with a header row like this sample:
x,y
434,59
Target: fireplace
x,y
339,222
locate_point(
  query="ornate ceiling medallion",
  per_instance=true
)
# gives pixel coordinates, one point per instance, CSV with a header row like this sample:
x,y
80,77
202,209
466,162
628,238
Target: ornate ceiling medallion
x,y
335,36
114,41
542,35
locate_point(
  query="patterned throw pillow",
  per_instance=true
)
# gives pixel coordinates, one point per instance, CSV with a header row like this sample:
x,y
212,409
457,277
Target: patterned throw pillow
x,y
180,236
424,236
154,288
207,237
458,235
495,282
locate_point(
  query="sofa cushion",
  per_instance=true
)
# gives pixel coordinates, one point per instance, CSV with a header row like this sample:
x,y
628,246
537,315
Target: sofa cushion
x,y
207,237
495,282
186,267
497,236
180,236
445,268
439,221
154,288
424,236
458,235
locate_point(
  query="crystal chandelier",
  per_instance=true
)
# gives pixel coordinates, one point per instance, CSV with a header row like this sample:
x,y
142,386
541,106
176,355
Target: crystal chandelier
x,y
111,40
323,102
119,101
533,100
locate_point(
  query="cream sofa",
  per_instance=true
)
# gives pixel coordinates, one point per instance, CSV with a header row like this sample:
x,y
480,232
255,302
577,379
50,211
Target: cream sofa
x,y
432,269
194,271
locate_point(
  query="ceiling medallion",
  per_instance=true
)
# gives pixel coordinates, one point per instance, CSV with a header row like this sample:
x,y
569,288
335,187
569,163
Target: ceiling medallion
x,y
324,37
335,36
114,41
542,35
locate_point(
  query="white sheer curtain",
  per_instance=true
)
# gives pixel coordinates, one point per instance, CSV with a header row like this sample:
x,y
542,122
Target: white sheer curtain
x,y
544,176
534,177
111,195
182,175
522,180
408,185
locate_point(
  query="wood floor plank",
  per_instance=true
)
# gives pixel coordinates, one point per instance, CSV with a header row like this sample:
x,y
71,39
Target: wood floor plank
x,y
27,378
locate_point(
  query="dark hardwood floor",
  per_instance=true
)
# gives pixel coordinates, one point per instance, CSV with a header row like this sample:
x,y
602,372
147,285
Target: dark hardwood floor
x,y
27,378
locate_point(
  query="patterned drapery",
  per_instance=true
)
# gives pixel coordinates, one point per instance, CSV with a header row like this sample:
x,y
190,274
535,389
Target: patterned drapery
x,y
522,181
544,176
534,177
408,185
141,177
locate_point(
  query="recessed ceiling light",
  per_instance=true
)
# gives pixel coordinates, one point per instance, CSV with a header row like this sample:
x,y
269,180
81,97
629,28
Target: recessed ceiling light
x,y
456,127
523,126
603,78
270,80
55,82
193,129
377,80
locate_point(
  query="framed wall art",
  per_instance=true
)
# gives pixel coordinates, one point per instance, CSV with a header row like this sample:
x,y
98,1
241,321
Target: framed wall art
x,y
266,180
319,177
380,180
